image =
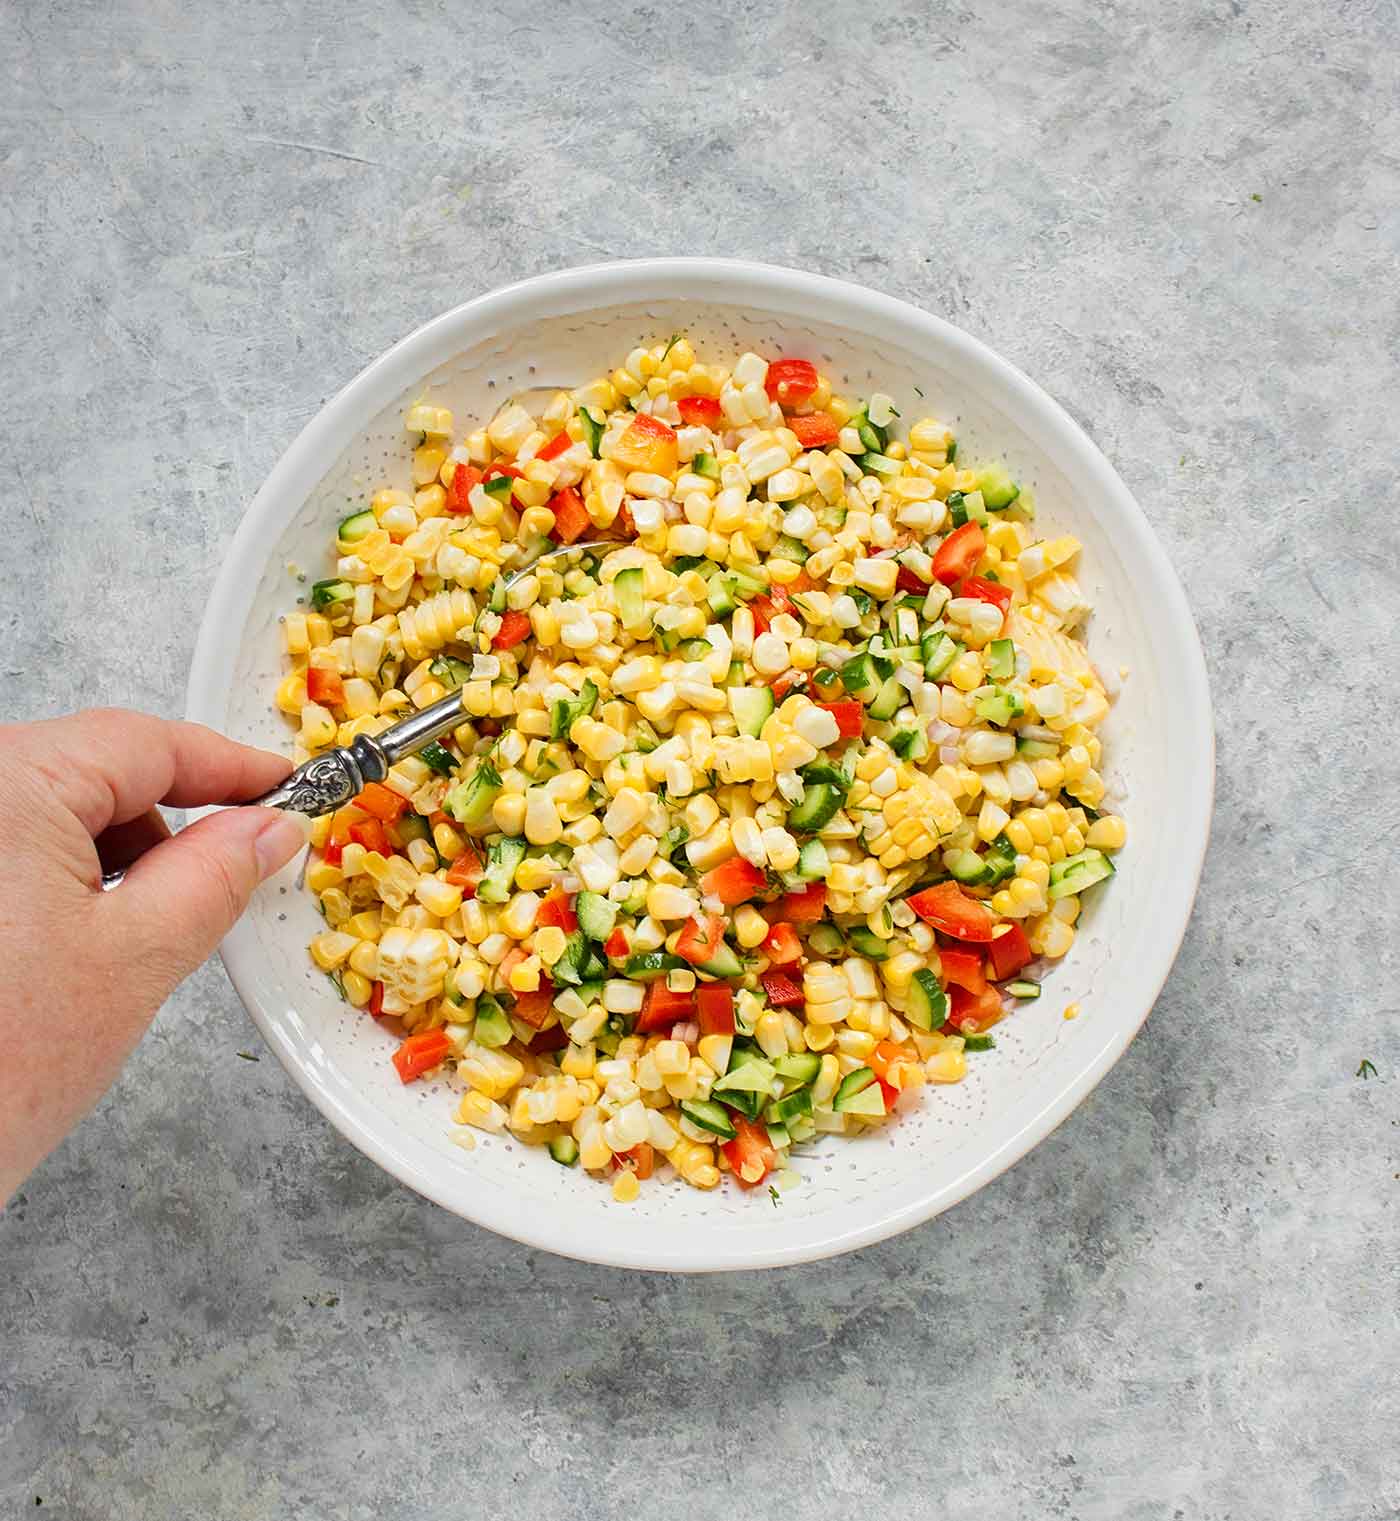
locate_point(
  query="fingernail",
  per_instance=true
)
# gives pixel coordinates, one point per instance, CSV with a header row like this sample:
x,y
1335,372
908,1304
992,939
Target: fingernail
x,y
279,840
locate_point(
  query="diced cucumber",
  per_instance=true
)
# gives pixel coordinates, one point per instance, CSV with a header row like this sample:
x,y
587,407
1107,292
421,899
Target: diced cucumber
x,y
997,488
999,706
1036,749
593,429
596,915
496,601
495,885
868,944
564,1150
356,526
326,594
470,801
721,596
791,1106
939,652
875,463
825,939
694,649
872,437
709,1116
858,677
1023,987
888,700
412,826
1076,873
779,1137
827,681
813,861
957,509
724,963
644,736
569,968
965,866
910,744
752,707
1001,660
926,1004
566,712
749,580
816,810
647,966
756,1076
674,838
820,772
706,465
999,861
801,1067
437,759
979,1043
450,671
788,548
492,1027
499,486
627,588
852,1086
952,451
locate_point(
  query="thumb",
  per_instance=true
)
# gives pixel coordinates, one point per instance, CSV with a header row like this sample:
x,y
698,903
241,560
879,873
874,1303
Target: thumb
x,y
181,898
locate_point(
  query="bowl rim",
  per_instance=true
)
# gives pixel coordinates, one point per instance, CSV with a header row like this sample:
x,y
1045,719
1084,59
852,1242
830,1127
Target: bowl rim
x,y
607,283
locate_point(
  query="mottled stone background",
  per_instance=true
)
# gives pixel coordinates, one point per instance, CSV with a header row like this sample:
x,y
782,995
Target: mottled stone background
x,y
1182,219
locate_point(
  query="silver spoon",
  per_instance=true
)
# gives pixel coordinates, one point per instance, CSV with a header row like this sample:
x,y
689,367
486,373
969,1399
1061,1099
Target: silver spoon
x,y
330,780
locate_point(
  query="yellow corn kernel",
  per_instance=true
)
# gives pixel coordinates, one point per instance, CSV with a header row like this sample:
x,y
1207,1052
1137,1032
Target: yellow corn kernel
x,y
480,1111
750,927
358,988
330,950
1073,840
322,875
1108,833
1020,836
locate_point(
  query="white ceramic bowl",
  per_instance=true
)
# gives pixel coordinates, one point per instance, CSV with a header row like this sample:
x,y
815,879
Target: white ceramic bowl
x,y
563,329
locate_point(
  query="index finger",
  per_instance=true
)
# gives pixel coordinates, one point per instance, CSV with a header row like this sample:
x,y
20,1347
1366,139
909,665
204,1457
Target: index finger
x,y
109,765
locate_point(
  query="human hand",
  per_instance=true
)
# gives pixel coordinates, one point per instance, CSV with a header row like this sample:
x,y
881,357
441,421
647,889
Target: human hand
x,y
87,970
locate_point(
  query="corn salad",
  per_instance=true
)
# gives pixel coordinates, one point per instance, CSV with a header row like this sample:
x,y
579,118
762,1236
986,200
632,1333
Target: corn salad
x,y
756,817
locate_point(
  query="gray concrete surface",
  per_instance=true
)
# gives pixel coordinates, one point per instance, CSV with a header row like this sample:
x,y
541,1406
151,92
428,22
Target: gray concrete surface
x,y
1182,219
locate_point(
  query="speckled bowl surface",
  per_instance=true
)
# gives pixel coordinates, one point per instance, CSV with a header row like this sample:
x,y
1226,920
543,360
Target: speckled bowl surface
x,y
561,330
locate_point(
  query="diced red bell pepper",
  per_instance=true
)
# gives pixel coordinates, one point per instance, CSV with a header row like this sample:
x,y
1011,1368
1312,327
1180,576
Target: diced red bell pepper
x,y
421,1053
790,382
514,629
849,715
1010,952
781,945
534,1007
553,1039
375,1005
963,968
700,939
765,609
958,554
782,991
557,911
986,591
787,683
818,430
663,1008
381,802
640,1160
324,686
700,411
648,445
714,1005
804,906
494,472
466,871
971,1013
464,477
571,520
332,852
556,446
734,881
372,835
889,1093
948,908
616,945
751,1155
908,581
884,1060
